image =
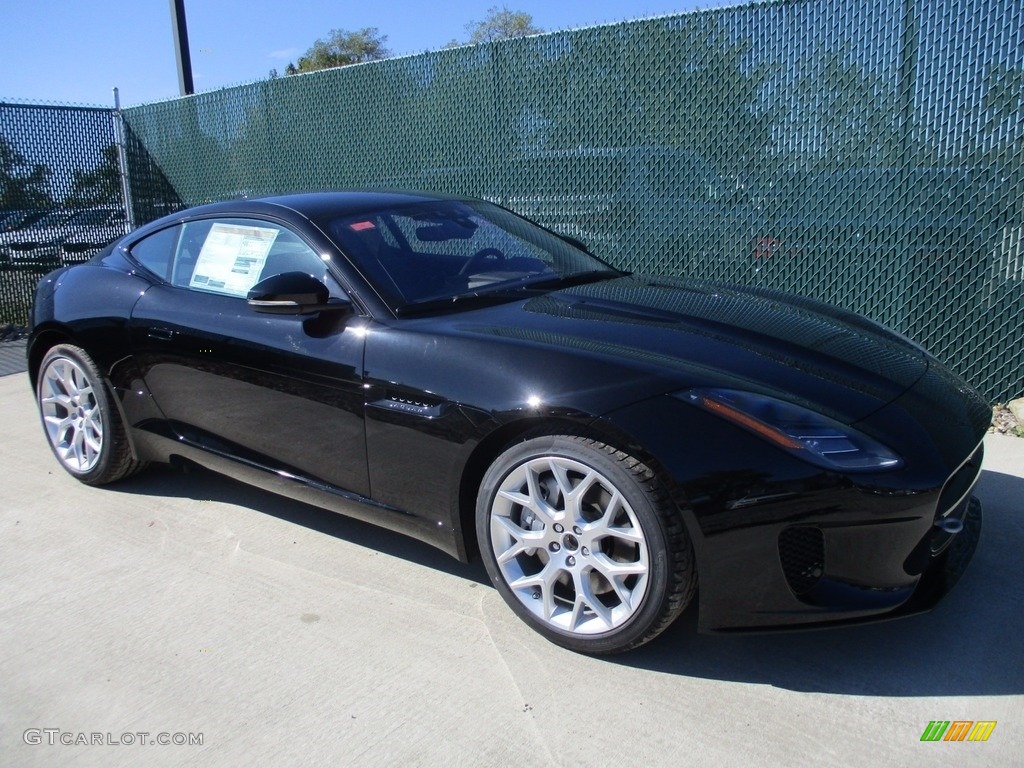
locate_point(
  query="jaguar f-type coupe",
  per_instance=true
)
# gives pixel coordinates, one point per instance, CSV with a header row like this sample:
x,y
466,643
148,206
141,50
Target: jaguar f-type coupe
x,y
605,441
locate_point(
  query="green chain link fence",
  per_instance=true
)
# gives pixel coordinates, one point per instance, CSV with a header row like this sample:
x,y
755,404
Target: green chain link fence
x,y
867,153
62,192
48,157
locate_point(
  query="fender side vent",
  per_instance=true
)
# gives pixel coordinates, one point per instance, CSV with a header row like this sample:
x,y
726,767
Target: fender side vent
x,y
411,406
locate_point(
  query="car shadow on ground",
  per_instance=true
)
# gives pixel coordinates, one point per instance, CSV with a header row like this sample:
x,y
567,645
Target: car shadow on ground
x,y
970,645
197,483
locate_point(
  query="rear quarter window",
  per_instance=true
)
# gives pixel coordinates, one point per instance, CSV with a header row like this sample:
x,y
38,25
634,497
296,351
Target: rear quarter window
x,y
156,251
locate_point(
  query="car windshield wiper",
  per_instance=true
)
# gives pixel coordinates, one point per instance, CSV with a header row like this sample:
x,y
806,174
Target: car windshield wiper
x,y
458,300
503,292
576,278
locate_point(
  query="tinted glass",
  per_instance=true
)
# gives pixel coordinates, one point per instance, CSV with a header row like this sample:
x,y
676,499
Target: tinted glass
x,y
97,217
53,219
429,251
155,251
229,256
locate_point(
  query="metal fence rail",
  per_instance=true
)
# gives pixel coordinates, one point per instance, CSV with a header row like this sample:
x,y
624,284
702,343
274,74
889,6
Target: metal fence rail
x,y
870,154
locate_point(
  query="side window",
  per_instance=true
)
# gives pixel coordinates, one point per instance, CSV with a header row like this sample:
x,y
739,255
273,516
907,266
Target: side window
x,y
155,251
229,256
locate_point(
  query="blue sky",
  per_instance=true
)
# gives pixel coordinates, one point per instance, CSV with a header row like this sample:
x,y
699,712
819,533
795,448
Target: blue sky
x,y
75,51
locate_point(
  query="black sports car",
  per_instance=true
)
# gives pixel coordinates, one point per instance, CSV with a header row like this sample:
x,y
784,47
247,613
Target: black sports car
x,y
449,370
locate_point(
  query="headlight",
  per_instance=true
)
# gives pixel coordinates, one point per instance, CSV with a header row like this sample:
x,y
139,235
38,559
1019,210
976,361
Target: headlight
x,y
804,433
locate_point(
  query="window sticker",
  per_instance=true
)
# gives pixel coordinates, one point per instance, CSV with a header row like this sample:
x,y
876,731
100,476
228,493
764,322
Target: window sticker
x,y
232,258
359,226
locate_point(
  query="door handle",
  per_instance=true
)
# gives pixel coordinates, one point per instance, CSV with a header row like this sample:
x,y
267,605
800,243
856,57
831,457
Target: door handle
x,y
161,334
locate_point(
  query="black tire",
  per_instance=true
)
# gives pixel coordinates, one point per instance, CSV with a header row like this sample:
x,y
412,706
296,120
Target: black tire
x,y
82,425
584,544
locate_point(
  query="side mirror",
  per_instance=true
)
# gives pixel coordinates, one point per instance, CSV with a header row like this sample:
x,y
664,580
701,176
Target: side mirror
x,y
293,293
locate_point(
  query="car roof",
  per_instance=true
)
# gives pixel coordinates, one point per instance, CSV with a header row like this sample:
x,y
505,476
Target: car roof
x,y
317,207
314,206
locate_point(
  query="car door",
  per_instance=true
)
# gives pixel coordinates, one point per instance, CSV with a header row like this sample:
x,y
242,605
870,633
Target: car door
x,y
279,391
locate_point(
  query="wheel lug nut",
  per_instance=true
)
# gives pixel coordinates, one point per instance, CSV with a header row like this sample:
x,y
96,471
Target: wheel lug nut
x,y
585,552
555,546
577,530
558,528
536,594
570,560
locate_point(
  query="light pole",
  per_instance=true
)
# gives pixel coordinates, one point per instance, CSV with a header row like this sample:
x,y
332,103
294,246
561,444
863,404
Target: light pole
x,y
181,52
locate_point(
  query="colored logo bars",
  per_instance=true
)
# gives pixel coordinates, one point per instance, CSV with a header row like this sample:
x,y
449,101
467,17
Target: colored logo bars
x,y
958,730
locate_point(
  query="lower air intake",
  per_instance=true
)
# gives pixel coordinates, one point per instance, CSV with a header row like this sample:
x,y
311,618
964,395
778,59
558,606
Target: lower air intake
x,y
802,552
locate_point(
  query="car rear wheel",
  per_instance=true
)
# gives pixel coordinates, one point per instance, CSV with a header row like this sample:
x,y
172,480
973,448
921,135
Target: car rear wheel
x,y
82,424
583,543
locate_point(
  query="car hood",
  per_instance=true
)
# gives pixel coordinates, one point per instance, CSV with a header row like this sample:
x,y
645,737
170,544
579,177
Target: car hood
x,y
97,230
701,334
32,235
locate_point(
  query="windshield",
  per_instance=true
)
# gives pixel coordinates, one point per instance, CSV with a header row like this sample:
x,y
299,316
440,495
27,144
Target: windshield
x,y
52,220
442,250
93,217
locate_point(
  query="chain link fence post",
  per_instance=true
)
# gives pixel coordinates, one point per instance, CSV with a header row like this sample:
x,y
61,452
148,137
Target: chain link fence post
x,y
122,161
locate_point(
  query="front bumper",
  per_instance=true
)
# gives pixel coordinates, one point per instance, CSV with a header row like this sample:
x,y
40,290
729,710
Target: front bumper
x,y
945,569
850,556
780,544
48,254
941,574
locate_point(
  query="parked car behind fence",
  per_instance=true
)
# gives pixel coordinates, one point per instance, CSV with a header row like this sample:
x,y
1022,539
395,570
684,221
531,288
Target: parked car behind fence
x,y
63,237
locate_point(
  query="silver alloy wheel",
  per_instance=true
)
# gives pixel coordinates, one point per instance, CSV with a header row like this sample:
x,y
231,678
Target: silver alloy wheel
x,y
71,414
569,546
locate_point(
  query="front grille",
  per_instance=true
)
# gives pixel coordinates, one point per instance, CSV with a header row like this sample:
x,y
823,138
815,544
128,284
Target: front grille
x,y
954,499
959,486
954,503
802,552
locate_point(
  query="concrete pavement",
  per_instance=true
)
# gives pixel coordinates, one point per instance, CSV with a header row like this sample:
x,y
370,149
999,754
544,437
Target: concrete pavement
x,y
288,636
12,357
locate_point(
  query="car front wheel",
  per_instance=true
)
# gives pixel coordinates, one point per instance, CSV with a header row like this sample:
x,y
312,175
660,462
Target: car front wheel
x,y
82,425
583,543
